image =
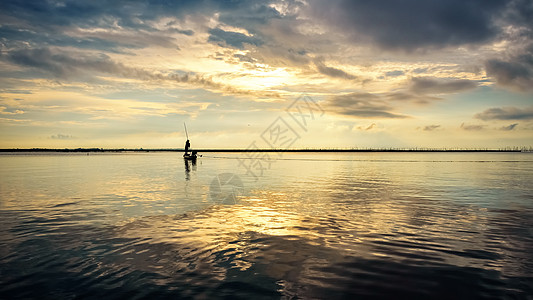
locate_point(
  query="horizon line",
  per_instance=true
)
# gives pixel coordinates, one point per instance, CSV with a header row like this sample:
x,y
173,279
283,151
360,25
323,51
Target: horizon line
x,y
369,149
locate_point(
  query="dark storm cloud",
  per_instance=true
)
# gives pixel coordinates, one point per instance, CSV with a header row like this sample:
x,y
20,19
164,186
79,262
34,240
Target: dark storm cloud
x,y
472,127
247,14
410,96
422,90
515,72
361,105
412,24
506,113
17,37
367,105
40,24
431,127
232,39
43,23
131,14
97,13
424,85
509,128
406,25
333,72
520,12
62,65
513,68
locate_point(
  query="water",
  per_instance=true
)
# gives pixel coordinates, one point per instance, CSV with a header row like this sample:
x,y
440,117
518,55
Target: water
x,y
323,225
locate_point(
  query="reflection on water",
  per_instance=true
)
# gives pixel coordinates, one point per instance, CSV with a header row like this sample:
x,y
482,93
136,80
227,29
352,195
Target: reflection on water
x,y
439,225
189,164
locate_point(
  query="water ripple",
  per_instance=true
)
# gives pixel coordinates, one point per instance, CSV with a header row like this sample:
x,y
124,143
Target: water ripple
x,y
358,228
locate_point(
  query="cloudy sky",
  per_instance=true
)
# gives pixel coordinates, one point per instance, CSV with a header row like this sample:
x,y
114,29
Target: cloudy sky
x,y
295,73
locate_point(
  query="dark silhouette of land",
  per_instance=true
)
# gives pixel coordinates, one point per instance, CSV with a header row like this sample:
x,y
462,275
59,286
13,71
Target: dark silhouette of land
x,y
507,149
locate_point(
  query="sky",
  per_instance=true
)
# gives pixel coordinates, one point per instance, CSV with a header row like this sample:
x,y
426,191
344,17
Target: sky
x,y
281,74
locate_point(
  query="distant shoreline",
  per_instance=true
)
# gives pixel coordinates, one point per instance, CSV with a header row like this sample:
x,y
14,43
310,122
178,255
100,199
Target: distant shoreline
x,y
87,150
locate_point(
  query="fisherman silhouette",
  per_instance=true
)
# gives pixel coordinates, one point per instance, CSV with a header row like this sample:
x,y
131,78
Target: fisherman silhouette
x,y
187,146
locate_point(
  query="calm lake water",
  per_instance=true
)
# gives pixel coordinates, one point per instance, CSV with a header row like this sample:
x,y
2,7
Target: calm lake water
x,y
323,225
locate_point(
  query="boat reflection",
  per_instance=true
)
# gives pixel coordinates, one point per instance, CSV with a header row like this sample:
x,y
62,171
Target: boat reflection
x,y
189,164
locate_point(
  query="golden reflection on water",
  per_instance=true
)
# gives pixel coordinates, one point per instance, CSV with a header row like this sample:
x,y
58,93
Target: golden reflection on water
x,y
269,233
246,233
306,223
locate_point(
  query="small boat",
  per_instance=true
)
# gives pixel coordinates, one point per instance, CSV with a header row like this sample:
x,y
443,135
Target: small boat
x,y
188,156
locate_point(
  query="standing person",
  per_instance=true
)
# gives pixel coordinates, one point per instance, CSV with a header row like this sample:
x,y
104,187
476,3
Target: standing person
x,y
187,146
